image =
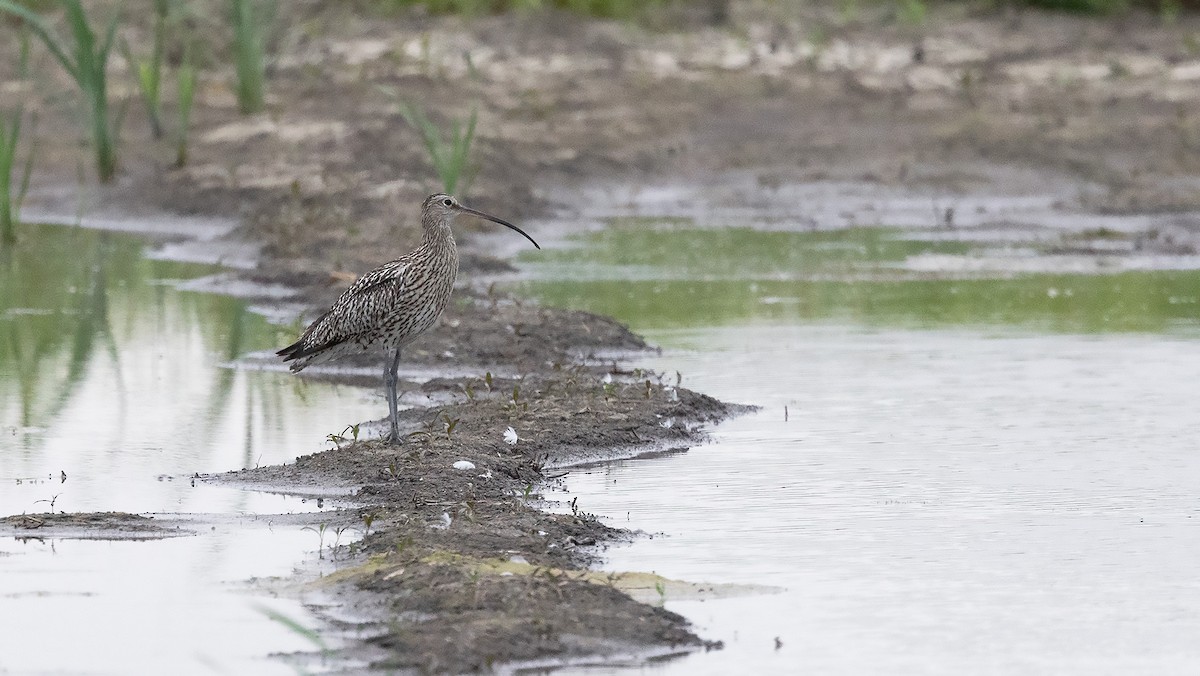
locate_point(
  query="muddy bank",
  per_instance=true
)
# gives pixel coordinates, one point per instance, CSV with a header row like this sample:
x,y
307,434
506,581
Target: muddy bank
x,y
328,179
89,526
458,568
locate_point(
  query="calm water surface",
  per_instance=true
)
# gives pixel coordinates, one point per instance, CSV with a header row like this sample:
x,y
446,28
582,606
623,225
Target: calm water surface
x,y
977,472
973,476
116,387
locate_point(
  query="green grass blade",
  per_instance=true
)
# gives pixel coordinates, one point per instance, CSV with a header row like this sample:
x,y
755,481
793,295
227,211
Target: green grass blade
x,y
156,56
465,152
85,41
23,55
27,171
471,121
44,32
449,156
248,54
87,66
148,78
186,91
293,625
106,47
15,132
10,132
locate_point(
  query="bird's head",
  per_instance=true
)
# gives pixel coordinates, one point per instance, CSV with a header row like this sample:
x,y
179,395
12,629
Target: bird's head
x,y
441,208
441,205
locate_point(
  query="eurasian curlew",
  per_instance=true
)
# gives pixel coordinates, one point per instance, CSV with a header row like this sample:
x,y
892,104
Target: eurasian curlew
x,y
393,304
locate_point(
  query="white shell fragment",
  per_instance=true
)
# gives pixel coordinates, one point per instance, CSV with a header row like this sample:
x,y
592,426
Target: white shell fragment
x,y
464,465
510,436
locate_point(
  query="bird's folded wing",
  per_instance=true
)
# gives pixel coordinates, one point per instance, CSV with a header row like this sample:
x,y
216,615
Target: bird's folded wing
x,y
360,310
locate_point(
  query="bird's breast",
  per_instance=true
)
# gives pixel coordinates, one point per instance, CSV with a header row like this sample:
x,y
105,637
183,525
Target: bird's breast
x,y
425,295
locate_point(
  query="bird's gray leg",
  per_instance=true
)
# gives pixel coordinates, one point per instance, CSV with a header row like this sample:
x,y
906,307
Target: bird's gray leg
x,y
389,381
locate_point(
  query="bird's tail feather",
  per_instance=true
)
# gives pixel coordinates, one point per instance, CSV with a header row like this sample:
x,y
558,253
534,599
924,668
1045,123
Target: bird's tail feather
x,y
294,353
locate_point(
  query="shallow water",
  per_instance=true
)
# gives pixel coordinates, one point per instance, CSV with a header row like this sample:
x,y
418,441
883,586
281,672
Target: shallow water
x,y
116,388
672,274
952,490
176,606
113,377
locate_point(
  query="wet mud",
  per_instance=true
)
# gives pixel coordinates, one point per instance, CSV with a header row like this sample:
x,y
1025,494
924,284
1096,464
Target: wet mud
x,y
89,526
448,513
459,569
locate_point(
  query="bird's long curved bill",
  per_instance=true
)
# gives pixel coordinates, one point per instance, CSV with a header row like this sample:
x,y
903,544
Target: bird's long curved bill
x,y
493,219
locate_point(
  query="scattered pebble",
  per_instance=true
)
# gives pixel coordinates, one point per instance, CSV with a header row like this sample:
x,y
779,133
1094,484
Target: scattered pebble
x,y
465,464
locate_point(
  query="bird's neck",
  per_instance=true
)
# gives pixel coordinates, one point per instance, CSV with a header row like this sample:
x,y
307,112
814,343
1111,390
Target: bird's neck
x,y
438,235
439,242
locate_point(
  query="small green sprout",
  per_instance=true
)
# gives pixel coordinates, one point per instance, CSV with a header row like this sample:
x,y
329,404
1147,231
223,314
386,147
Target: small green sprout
x,y
320,531
450,424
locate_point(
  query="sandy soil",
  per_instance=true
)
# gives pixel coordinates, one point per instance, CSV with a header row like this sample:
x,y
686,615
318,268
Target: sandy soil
x,y
328,181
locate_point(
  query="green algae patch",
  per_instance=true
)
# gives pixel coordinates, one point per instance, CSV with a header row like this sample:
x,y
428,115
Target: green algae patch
x,y
668,275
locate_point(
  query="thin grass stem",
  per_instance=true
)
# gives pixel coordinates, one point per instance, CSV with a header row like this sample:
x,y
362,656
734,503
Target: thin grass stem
x,y
249,37
148,74
186,91
450,155
10,200
86,60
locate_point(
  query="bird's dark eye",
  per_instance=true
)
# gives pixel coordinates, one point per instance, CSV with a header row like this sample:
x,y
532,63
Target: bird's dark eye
x,y
448,202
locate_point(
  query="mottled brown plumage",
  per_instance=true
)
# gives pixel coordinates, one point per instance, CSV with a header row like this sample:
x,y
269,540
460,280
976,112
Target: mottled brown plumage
x,y
393,304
